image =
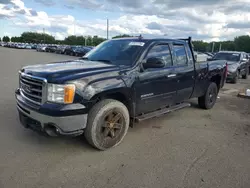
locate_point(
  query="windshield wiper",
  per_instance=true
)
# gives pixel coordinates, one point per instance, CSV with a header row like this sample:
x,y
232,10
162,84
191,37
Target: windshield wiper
x,y
84,58
104,60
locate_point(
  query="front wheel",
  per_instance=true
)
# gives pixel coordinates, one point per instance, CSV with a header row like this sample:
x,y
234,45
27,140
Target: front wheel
x,y
208,100
108,123
245,76
237,76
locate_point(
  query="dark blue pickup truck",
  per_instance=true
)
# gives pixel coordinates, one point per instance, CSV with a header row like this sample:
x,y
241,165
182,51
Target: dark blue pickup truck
x,y
119,83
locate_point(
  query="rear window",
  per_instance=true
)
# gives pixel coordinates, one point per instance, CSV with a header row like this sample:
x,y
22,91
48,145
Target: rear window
x,y
180,53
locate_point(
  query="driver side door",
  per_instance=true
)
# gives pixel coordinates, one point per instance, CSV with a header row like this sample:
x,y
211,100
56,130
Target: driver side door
x,y
156,87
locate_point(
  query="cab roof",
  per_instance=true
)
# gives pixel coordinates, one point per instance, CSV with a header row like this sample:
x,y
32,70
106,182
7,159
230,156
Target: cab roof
x,y
149,39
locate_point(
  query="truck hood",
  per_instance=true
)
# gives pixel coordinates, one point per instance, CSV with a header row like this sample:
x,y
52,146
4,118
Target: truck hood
x,y
232,66
232,62
60,72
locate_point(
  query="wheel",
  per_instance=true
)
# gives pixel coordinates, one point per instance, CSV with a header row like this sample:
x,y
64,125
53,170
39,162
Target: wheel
x,y
245,76
107,125
72,54
208,100
235,79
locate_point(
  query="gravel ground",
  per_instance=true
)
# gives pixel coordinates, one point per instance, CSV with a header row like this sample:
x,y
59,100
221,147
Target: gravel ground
x,y
186,149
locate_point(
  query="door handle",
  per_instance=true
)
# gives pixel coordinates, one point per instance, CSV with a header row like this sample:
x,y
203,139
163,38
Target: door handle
x,y
171,75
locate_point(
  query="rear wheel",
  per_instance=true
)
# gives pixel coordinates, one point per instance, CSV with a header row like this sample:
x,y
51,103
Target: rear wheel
x,y
108,123
208,100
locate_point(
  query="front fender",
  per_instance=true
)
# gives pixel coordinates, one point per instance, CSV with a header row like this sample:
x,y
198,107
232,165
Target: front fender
x,y
106,86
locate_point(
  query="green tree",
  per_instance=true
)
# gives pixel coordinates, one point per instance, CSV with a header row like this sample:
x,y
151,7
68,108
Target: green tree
x,y
70,40
242,43
97,40
121,36
6,39
200,46
32,37
16,39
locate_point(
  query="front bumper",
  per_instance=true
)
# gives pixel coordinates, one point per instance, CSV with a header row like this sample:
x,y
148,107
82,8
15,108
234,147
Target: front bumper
x,y
73,124
231,76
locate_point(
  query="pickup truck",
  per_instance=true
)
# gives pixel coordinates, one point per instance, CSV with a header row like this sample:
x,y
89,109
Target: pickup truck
x,y
118,83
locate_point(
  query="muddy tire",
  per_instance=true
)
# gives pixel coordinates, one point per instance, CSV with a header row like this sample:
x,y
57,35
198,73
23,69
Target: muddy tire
x,y
208,100
107,125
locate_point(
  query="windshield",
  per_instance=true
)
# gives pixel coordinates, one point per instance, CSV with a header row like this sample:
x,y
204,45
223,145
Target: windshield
x,y
117,52
227,56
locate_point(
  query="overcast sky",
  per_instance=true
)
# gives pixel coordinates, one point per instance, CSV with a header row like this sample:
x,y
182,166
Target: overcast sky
x,y
201,19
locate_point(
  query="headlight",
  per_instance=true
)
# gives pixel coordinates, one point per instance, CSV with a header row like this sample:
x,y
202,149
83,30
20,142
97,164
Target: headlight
x,y
61,93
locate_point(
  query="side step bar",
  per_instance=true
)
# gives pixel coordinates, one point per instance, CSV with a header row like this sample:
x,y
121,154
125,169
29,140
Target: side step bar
x,y
161,112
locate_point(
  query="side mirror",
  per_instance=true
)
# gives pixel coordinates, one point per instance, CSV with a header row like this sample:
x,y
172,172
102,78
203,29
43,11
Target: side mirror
x,y
153,62
210,59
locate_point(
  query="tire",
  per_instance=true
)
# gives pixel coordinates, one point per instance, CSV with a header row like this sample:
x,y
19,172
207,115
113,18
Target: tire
x,y
245,76
235,79
208,100
98,131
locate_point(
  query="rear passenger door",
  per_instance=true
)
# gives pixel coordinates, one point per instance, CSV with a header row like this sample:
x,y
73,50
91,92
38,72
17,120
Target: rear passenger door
x,y
184,70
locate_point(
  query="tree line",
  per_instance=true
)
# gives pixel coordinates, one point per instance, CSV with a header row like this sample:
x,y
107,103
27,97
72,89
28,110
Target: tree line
x,y
42,38
241,43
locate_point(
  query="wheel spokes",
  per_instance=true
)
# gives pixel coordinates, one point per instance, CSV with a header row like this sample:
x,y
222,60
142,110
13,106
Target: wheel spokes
x,y
116,118
112,133
117,126
106,132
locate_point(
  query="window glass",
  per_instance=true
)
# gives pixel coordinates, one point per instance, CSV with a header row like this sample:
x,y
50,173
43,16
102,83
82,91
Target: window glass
x,y
227,56
180,53
161,51
116,52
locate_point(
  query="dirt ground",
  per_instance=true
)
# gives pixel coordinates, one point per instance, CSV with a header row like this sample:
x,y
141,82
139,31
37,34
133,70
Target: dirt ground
x,y
186,149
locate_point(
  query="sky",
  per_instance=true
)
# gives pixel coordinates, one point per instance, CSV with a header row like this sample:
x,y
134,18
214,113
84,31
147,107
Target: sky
x,y
209,20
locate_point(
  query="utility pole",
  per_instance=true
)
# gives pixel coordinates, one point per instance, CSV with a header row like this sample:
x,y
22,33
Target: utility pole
x,y
74,28
213,47
220,47
85,41
43,35
107,29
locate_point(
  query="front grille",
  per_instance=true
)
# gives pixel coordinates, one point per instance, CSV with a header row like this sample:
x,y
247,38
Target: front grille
x,y
32,88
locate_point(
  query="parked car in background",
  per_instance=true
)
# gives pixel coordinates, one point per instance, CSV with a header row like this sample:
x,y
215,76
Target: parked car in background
x,y
70,50
60,49
34,46
20,46
81,51
41,48
51,48
209,54
28,46
238,64
201,57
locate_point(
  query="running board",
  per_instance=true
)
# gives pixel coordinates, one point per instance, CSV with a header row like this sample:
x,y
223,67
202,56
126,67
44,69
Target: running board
x,y
161,112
